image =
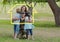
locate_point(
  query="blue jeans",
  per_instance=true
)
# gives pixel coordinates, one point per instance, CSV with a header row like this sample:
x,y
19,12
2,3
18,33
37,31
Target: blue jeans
x,y
29,31
16,28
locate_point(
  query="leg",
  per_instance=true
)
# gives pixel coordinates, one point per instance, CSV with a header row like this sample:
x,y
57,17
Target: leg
x,y
31,34
16,31
27,33
22,31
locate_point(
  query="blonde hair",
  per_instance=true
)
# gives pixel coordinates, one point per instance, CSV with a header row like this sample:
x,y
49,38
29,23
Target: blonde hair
x,y
18,10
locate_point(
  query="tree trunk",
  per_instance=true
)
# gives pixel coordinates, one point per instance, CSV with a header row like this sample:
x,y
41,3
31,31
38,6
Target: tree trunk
x,y
55,10
30,8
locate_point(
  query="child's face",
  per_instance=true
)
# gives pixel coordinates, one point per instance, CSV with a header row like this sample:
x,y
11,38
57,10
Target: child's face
x,y
17,10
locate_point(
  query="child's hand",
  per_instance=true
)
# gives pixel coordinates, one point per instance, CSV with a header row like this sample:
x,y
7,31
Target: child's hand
x,y
14,19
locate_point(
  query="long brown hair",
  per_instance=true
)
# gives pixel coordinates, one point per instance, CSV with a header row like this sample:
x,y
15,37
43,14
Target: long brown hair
x,y
25,8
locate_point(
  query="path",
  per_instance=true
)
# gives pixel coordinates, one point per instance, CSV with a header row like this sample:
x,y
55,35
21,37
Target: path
x,y
47,32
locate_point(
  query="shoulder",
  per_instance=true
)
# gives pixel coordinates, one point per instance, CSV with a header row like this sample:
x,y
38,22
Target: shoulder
x,y
16,14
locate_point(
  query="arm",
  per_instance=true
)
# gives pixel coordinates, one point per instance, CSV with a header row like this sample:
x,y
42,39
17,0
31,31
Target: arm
x,y
22,18
14,19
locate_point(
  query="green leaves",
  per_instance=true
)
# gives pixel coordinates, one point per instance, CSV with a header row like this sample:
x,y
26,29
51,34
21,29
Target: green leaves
x,y
6,1
18,1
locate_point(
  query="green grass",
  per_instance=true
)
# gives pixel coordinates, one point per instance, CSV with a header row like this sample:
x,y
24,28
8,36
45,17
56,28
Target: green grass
x,y
2,22
36,23
6,35
38,15
9,39
44,24
6,32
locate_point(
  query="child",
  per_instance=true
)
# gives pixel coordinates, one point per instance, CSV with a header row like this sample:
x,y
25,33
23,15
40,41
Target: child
x,y
16,19
28,27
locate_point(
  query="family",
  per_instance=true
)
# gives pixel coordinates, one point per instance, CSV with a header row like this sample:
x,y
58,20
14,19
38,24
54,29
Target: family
x,y
24,29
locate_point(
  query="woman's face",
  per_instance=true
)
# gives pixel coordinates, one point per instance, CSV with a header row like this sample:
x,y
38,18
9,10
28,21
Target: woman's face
x,y
23,8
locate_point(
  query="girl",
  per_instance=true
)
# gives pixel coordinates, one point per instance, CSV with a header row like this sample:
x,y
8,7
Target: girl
x,y
28,27
16,19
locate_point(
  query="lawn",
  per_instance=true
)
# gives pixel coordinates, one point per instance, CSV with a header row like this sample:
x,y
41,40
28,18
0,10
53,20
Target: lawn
x,y
41,34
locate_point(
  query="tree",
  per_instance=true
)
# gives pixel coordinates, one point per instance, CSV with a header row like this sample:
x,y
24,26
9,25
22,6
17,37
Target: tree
x,y
54,7
55,10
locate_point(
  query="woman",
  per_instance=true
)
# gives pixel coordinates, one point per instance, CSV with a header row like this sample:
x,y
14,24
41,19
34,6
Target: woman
x,y
23,12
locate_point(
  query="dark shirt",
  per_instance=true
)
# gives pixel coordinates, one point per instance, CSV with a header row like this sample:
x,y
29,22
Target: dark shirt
x,y
23,21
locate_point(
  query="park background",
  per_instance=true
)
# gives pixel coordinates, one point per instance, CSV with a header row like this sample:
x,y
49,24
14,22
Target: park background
x,y
45,28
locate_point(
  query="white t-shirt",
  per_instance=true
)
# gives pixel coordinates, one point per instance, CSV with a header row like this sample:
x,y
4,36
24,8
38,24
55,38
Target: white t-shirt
x,y
17,15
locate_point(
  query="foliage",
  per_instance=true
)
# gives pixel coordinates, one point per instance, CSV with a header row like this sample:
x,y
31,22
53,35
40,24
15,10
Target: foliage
x,y
18,1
